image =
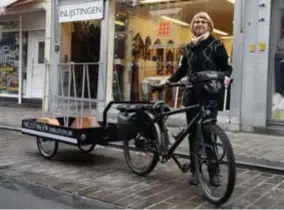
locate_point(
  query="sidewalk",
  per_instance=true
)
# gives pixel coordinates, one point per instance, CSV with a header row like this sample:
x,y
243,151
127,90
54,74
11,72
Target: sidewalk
x,y
103,175
254,149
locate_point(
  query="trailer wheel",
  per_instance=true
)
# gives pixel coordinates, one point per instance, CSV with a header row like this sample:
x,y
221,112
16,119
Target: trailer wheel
x,y
47,152
86,148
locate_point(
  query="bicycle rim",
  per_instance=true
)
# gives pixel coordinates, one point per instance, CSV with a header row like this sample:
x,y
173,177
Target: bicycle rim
x,y
203,164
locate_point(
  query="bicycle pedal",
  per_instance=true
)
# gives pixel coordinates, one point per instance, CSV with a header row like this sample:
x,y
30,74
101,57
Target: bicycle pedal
x,y
185,167
163,159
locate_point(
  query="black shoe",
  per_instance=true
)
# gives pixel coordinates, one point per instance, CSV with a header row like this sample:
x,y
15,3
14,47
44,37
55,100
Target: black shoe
x,y
193,179
215,181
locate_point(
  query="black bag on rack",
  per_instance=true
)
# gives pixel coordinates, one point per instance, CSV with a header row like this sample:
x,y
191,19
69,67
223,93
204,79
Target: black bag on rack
x,y
127,125
208,85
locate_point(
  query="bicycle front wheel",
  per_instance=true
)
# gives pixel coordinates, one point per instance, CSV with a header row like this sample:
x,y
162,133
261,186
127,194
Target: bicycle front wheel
x,y
141,153
217,185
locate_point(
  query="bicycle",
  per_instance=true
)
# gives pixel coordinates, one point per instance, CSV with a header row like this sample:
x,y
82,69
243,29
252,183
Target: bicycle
x,y
149,122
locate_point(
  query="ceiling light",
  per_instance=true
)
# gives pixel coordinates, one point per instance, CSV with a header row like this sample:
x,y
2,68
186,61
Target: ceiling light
x,y
175,20
153,1
226,37
217,31
231,1
220,32
120,23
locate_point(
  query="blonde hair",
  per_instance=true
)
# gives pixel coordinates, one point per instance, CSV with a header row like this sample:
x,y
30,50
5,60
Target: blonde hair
x,y
203,15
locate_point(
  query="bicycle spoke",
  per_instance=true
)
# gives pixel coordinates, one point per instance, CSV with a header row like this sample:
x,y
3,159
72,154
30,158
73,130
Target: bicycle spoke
x,y
216,182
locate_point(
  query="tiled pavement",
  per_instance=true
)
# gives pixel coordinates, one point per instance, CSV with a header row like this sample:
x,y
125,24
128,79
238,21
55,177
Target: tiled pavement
x,y
263,150
104,175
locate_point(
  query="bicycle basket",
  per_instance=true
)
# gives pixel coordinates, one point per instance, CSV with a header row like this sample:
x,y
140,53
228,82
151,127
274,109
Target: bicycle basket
x,y
127,126
208,84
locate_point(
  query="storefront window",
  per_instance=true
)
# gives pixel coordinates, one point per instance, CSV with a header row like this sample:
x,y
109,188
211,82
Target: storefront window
x,y
149,42
25,61
277,61
9,58
80,43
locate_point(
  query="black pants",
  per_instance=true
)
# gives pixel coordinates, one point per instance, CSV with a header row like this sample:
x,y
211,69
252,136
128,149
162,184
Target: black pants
x,y
209,152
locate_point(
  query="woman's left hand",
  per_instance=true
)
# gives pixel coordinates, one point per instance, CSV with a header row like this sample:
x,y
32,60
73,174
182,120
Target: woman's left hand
x,y
227,81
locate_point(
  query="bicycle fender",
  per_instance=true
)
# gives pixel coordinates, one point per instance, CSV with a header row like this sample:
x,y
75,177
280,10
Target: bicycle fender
x,y
156,126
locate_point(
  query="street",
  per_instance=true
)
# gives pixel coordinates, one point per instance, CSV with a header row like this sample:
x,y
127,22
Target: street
x,y
10,199
104,176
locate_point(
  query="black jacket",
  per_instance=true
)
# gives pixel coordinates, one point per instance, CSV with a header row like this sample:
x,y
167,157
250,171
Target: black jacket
x,y
209,54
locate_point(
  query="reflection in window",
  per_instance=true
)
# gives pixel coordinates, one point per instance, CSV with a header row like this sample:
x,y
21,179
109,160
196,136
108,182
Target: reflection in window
x,y
25,61
150,40
9,62
277,65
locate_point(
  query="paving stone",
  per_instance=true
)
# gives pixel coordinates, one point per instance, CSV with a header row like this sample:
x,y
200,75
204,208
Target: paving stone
x,y
262,203
160,188
275,179
104,175
263,176
128,201
186,206
279,205
247,146
275,194
281,185
162,205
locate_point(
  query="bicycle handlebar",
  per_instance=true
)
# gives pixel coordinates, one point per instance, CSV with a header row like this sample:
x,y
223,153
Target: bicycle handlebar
x,y
158,87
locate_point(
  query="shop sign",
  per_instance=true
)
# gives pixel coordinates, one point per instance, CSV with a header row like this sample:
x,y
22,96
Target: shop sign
x,y
81,11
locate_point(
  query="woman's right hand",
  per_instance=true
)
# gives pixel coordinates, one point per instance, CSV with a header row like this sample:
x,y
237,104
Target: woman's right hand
x,y
164,82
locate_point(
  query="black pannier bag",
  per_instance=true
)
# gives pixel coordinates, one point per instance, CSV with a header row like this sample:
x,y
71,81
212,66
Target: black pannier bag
x,y
127,125
130,124
208,84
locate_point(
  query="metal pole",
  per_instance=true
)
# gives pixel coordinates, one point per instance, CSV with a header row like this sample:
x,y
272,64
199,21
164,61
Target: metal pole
x,y
48,35
83,92
20,77
225,99
54,55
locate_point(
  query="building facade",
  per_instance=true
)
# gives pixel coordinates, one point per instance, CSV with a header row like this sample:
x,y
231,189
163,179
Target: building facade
x,y
24,48
137,42
141,42
257,91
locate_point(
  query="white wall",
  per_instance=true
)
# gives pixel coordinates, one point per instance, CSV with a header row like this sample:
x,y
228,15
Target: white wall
x,y
34,21
262,65
254,67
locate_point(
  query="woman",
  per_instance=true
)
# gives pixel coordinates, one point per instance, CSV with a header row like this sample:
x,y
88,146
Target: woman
x,y
203,53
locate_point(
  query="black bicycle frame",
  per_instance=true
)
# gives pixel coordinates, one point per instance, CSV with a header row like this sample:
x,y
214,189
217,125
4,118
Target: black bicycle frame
x,y
161,117
182,134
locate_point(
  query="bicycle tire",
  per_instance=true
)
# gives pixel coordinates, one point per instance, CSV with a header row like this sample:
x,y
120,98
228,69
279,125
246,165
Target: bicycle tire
x,y
88,150
231,166
41,150
155,159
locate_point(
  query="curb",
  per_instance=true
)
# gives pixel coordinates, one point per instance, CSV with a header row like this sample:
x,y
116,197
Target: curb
x,y
59,196
241,164
12,128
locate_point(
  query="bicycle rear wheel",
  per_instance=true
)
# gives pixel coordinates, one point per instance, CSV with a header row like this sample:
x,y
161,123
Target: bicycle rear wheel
x,y
203,164
146,142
